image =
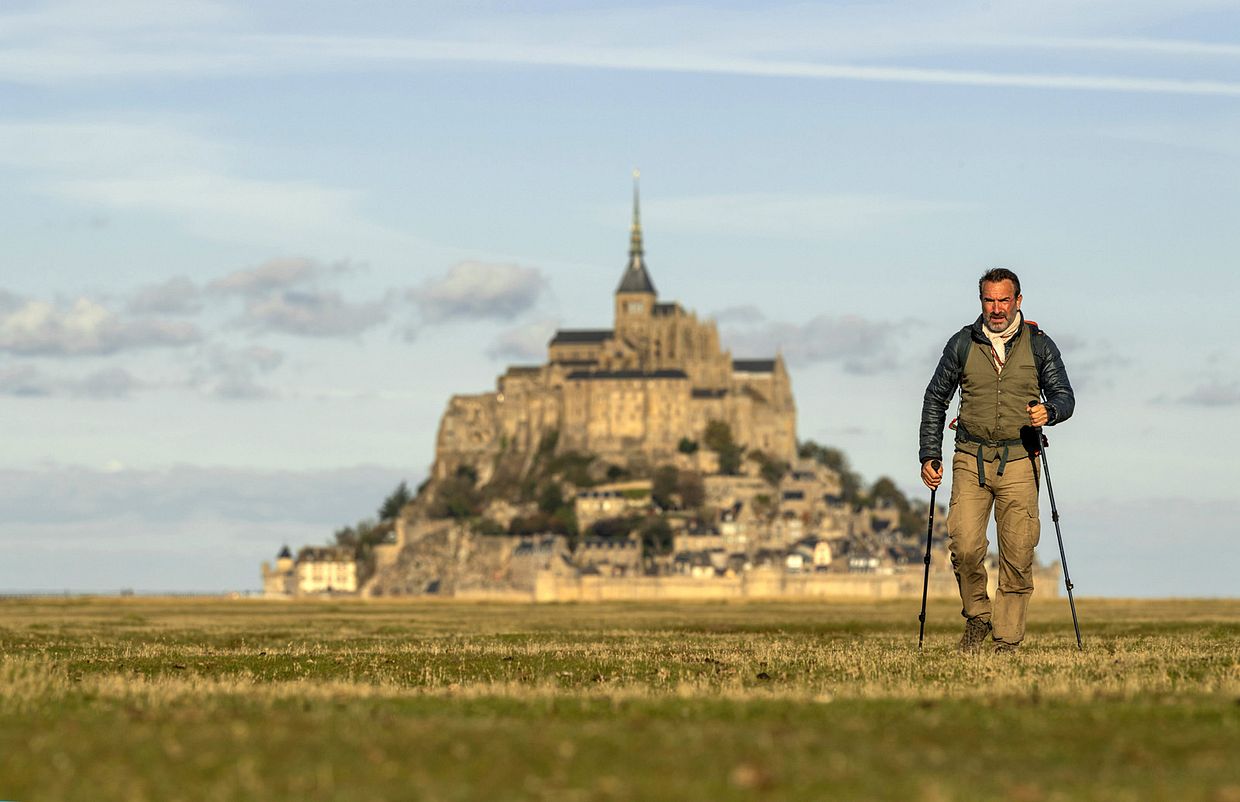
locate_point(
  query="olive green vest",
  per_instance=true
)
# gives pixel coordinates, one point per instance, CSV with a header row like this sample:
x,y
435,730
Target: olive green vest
x,y
993,405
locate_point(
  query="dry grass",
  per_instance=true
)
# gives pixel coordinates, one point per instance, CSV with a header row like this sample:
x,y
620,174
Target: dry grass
x,y
225,699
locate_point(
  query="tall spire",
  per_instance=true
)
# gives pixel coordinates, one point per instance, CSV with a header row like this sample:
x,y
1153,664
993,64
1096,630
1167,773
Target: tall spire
x,y
635,236
636,279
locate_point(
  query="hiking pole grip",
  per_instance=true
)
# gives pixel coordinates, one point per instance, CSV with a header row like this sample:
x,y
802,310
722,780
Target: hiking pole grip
x,y
925,581
1041,436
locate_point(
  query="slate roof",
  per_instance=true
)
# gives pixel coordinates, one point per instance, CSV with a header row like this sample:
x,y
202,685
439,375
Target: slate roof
x,y
564,336
583,375
635,278
753,365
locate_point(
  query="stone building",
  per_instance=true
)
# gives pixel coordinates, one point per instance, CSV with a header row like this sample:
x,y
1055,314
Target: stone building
x,y
316,570
633,391
281,580
615,500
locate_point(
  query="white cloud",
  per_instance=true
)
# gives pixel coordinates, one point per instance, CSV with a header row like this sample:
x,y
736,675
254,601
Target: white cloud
x,y
527,342
176,296
690,59
830,41
29,381
1164,47
24,381
280,296
337,496
233,374
478,290
312,313
858,345
739,315
84,327
106,383
274,274
185,528
842,31
1214,393
265,359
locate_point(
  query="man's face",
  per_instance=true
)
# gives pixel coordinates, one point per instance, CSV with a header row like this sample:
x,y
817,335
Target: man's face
x,y
999,304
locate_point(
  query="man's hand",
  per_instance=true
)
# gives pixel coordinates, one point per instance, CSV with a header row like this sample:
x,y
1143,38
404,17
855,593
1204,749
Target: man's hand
x,y
1038,415
932,473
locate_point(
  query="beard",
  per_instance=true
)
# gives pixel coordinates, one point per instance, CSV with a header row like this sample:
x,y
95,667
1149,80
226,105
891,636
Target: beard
x,y
999,325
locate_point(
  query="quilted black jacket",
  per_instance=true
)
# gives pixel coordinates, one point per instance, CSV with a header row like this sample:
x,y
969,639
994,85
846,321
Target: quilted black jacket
x,y
1052,378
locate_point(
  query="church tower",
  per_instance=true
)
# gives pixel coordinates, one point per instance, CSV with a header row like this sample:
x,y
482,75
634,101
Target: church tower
x,y
635,297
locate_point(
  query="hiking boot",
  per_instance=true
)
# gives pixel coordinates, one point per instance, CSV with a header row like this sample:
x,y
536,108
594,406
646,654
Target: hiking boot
x,y
1006,648
976,631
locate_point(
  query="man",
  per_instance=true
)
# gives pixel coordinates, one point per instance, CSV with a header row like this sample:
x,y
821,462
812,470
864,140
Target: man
x,y
1000,363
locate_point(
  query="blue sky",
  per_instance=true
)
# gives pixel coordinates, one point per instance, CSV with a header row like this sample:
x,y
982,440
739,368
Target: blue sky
x,y
250,250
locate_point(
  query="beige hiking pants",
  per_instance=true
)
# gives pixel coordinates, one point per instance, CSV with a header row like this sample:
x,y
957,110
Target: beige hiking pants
x,y
1014,496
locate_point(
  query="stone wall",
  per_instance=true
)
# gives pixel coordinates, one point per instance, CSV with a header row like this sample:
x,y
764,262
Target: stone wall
x,y
757,584
765,584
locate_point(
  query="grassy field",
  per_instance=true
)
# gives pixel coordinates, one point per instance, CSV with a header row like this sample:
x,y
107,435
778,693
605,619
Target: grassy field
x,y
166,699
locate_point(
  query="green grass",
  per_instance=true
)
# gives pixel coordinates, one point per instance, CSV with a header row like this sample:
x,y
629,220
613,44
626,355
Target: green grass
x,y
156,699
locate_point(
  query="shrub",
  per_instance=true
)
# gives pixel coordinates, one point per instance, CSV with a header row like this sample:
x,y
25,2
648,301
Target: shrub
x,y
718,438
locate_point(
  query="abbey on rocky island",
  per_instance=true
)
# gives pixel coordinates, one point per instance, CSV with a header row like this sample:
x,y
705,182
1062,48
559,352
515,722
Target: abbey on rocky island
x,y
637,392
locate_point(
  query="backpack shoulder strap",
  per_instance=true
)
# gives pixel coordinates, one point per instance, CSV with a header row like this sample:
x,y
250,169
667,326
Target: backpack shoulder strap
x,y
1039,355
964,341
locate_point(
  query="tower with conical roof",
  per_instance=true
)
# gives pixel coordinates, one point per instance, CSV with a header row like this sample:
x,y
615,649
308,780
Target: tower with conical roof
x,y
635,297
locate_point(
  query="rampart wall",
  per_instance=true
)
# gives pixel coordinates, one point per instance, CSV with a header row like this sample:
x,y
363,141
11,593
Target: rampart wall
x,y
758,584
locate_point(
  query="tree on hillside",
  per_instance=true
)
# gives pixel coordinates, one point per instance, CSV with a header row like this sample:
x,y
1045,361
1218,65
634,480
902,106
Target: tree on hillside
x,y
915,519
885,490
692,490
770,468
656,537
455,498
718,438
664,484
551,498
394,503
836,460
362,538
572,466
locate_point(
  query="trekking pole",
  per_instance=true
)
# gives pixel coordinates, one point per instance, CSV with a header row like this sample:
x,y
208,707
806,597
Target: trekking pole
x,y
925,582
1063,559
